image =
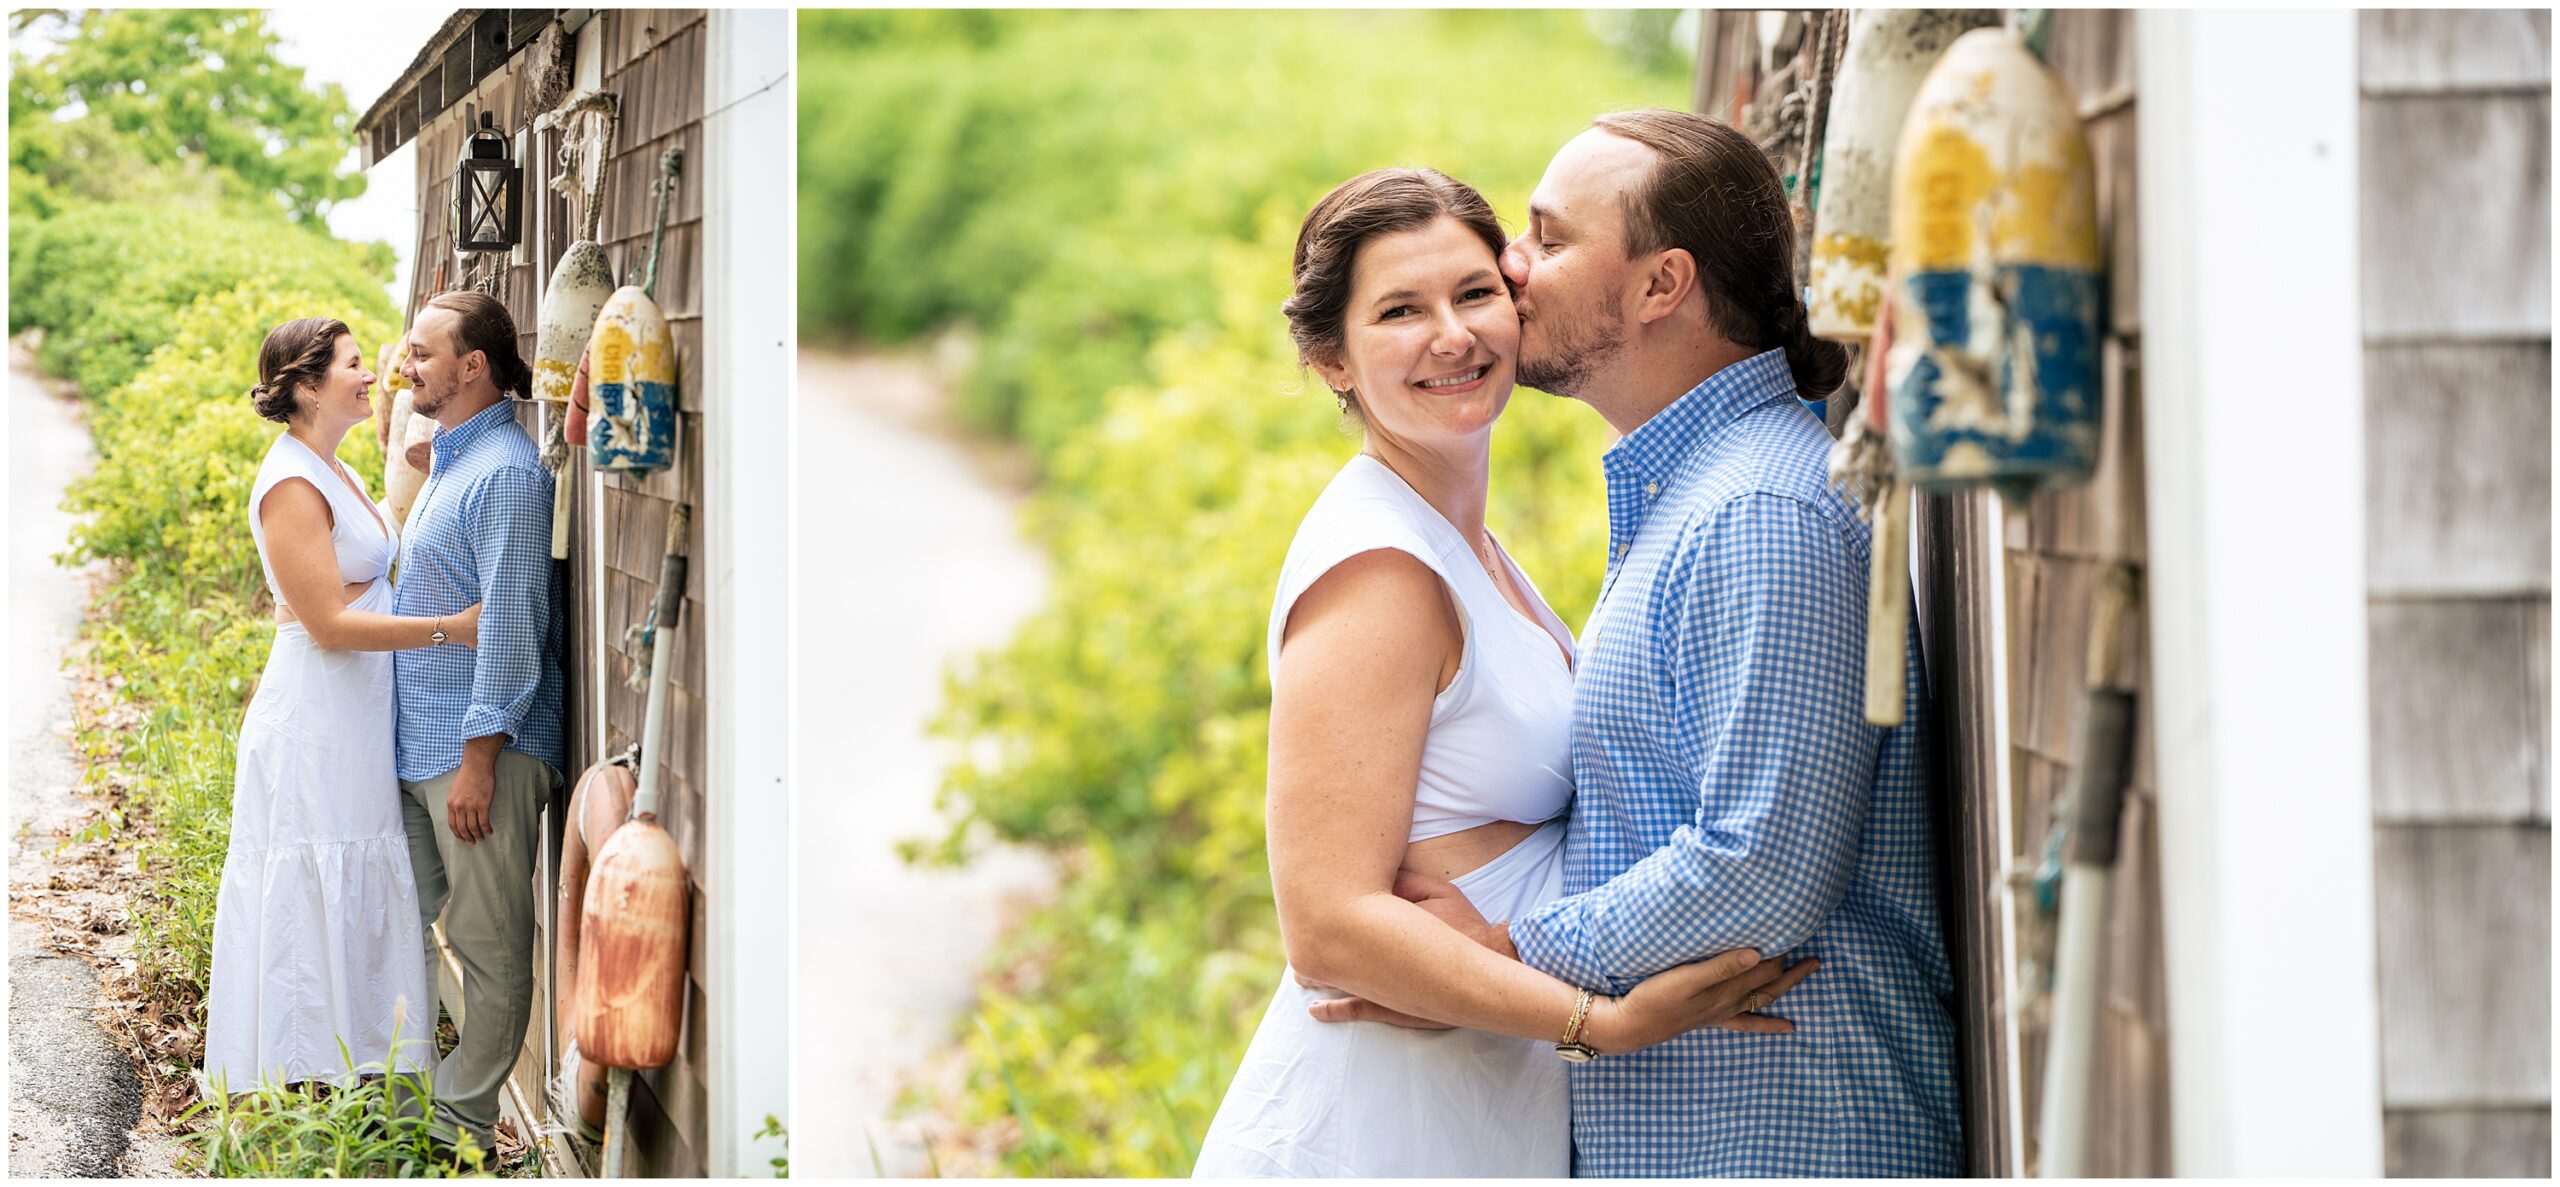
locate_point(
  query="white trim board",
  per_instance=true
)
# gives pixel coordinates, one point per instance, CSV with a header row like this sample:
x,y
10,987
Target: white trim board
x,y
747,376
2255,435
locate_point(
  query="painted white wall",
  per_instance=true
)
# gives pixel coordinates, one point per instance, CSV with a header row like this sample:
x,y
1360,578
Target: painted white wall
x,y
2253,373
747,374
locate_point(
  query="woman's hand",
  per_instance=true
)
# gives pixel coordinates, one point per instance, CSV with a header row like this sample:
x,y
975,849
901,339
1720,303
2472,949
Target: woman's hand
x,y
463,630
1727,990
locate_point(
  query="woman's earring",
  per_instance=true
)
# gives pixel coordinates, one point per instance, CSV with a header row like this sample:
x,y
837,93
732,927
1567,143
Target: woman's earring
x,y
1342,399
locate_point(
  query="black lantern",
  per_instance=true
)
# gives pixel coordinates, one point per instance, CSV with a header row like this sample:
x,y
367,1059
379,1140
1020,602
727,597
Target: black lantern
x,y
486,188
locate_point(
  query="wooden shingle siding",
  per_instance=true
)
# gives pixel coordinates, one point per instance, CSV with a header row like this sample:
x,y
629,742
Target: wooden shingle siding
x,y
2465,1009
2457,216
2455,199
2467,1143
2458,463
654,60
2436,52
2059,547
2458,716
2052,555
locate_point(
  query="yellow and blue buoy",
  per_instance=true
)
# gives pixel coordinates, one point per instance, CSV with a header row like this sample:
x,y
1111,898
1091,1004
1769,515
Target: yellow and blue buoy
x,y
632,376
1995,243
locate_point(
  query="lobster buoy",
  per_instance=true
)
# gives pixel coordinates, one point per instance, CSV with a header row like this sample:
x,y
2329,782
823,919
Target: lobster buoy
x,y
596,809
631,950
1995,250
1889,54
579,288
632,427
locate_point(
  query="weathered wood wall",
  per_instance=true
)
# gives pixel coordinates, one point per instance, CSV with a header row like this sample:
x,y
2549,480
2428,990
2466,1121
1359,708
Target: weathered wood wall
x,y
2056,553
2456,248
654,60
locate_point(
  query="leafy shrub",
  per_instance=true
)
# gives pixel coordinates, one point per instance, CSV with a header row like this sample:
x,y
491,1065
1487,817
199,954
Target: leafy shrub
x,y
106,282
1112,198
1057,178
183,628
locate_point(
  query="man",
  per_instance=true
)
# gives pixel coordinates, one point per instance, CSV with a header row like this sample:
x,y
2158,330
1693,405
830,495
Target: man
x,y
481,740
1729,793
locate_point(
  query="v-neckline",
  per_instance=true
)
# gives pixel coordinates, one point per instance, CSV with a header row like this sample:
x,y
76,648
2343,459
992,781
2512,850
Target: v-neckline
x,y
346,480
1528,590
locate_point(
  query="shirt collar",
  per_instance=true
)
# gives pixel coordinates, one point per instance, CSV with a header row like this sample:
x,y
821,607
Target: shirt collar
x,y
449,442
1658,446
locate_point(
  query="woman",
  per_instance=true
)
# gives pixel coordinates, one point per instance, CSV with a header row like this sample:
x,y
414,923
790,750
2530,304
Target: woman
x,y
1421,717
315,930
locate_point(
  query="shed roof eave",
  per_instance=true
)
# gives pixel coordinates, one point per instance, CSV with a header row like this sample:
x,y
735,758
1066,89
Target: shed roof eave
x,y
429,56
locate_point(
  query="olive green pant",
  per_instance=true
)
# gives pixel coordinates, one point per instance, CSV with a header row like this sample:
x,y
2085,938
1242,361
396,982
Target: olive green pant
x,y
484,890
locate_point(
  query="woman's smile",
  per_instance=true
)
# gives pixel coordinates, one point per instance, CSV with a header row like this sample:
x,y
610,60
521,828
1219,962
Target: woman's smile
x,y
1457,382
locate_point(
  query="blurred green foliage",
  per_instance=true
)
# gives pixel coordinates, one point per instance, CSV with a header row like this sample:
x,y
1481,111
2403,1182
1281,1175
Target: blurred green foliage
x,y
183,626
153,261
182,102
1111,200
105,280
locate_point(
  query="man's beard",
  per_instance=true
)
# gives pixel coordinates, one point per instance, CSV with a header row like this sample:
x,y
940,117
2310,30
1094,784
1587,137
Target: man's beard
x,y
1574,351
426,402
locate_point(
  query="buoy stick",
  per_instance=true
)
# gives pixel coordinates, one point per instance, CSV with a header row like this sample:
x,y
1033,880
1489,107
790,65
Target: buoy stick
x,y
617,1120
1888,593
662,622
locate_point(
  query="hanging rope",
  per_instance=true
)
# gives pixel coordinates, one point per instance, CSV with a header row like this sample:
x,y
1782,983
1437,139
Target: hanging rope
x,y
1830,37
670,163
587,122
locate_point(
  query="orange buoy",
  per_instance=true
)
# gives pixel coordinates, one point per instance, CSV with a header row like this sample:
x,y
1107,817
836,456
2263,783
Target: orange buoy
x,y
597,808
631,950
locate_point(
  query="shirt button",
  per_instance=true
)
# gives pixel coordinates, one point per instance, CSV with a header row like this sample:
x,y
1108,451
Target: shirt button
x,y
1651,489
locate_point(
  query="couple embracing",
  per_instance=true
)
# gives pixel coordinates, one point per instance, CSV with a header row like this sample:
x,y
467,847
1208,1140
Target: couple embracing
x,y
1656,903
403,740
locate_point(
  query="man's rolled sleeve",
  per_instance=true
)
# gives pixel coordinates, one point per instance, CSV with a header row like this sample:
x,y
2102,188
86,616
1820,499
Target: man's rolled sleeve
x,y
1766,679
511,538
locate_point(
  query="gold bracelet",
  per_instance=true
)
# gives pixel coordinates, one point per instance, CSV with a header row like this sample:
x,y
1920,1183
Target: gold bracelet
x,y
1573,1049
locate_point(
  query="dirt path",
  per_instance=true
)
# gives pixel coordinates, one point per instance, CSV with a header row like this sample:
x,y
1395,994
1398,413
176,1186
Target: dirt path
x,y
910,556
73,1098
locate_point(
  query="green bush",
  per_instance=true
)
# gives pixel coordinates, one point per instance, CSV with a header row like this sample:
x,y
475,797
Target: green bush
x,y
183,627
106,282
1111,199
1059,179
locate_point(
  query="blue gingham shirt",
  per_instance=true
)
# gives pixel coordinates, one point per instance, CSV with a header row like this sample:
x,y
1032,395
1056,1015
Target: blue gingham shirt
x,y
481,532
1730,794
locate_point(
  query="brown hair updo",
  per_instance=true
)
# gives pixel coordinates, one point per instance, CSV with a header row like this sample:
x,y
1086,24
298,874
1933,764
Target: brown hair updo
x,y
482,323
1714,194
295,353
1379,202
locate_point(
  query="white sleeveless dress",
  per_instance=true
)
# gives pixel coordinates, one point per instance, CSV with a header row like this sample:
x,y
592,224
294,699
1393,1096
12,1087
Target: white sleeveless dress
x,y
315,930
1371,1100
